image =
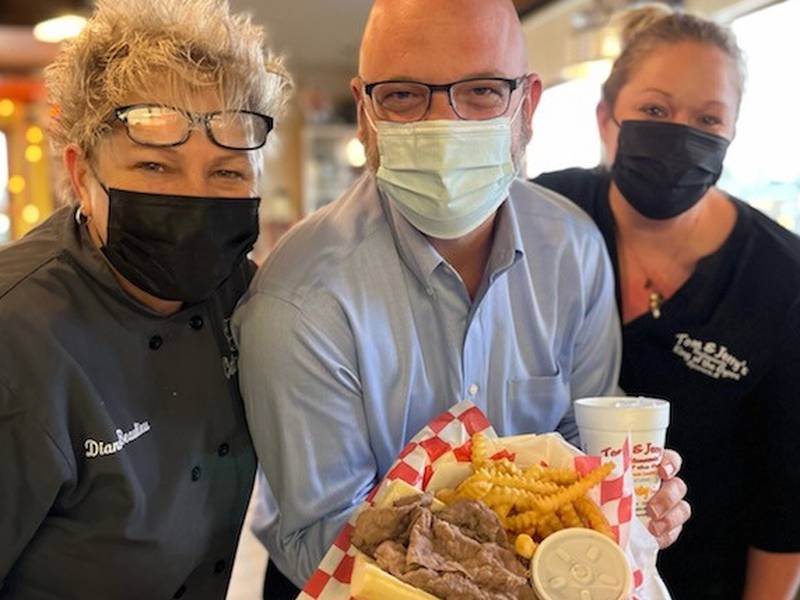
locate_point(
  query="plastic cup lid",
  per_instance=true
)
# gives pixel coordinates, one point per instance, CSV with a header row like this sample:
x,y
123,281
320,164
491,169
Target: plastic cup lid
x,y
580,564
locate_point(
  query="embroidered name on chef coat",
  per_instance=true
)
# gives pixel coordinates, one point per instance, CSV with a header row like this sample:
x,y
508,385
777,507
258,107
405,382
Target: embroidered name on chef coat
x,y
709,358
95,448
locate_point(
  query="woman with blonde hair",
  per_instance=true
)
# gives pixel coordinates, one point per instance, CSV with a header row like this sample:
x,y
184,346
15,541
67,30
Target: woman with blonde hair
x,y
124,453
709,293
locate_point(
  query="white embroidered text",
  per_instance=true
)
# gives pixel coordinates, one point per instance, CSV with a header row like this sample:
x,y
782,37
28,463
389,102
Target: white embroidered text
x,y
709,358
96,448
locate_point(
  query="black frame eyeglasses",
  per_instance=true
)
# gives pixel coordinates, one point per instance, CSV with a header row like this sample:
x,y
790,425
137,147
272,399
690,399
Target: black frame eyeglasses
x,y
164,126
474,99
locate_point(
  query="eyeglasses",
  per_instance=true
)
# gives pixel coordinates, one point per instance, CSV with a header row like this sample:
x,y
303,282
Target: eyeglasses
x,y
471,99
157,125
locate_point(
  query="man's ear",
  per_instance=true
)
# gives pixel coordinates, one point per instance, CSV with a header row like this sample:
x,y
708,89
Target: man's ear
x,y
357,89
533,95
77,166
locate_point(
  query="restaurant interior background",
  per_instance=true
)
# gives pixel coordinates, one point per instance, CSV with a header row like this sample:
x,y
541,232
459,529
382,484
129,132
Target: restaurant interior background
x,y
315,155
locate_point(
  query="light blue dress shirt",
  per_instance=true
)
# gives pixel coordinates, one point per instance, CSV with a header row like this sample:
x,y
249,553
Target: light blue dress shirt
x,y
356,333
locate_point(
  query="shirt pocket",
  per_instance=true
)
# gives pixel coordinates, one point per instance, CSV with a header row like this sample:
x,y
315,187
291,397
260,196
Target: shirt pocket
x,y
536,404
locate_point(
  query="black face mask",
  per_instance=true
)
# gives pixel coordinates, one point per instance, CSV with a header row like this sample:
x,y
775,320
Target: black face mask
x,y
178,247
663,169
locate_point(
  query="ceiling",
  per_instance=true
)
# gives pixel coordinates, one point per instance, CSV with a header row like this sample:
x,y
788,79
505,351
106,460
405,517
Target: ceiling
x,y
315,35
319,37
30,12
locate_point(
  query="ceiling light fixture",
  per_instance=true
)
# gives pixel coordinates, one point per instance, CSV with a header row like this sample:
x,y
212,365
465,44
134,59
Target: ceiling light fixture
x,y
53,31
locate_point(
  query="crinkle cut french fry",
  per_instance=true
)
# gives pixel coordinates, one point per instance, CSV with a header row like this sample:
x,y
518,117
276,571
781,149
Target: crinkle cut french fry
x,y
554,522
525,546
531,503
506,467
591,513
480,450
552,474
519,499
560,476
525,521
502,510
524,483
473,490
569,494
569,516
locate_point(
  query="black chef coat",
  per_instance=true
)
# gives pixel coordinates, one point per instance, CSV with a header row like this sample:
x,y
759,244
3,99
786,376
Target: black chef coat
x,y
125,460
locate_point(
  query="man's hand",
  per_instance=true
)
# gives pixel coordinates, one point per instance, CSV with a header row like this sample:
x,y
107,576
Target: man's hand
x,y
667,508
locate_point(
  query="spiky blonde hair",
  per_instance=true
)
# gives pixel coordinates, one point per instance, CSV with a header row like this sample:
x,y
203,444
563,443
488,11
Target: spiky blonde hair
x,y
160,48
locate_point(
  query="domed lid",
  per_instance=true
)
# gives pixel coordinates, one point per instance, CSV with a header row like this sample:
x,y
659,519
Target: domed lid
x,y
580,564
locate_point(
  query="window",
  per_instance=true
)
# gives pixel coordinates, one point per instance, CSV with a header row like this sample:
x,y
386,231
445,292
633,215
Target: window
x,y
5,221
762,166
565,129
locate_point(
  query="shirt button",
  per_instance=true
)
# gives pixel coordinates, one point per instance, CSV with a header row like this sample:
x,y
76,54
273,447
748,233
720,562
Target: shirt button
x,y
473,389
196,322
181,591
223,449
155,342
219,567
196,472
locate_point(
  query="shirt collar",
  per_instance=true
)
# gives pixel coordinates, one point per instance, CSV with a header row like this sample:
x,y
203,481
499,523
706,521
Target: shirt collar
x,y
415,250
422,258
507,248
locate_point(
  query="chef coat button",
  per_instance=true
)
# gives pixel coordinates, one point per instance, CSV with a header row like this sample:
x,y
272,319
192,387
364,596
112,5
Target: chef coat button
x,y
223,449
196,322
473,389
155,342
196,472
181,591
219,567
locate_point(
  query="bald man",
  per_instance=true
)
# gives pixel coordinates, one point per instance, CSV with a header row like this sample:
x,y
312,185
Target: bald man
x,y
437,277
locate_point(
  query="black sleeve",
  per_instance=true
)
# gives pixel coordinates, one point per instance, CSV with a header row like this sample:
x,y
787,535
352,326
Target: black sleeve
x,y
32,470
776,481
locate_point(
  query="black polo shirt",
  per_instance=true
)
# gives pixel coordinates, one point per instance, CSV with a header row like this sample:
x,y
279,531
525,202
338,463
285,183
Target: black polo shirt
x,y
125,460
726,353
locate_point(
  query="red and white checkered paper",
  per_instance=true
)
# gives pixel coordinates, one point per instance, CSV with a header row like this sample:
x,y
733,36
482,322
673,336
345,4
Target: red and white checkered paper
x,y
447,439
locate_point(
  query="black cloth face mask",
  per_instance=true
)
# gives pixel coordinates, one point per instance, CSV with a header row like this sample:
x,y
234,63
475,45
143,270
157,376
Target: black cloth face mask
x,y
663,169
178,247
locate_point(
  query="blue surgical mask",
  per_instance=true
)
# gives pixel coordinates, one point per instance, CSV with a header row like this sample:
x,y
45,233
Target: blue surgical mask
x,y
446,177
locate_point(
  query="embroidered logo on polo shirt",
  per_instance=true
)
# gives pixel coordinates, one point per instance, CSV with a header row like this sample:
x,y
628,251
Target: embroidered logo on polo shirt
x,y
709,358
96,448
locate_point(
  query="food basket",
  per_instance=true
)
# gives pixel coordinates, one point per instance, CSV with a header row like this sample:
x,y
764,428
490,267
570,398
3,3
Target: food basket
x,y
439,456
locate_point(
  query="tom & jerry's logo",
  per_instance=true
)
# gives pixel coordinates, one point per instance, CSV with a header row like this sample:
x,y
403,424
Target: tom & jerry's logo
x,y
709,358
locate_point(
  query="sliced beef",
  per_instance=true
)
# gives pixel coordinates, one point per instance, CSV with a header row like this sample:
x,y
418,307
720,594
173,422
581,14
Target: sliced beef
x,y
476,520
460,553
391,557
377,525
